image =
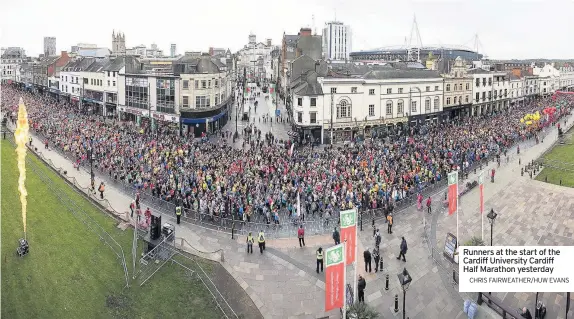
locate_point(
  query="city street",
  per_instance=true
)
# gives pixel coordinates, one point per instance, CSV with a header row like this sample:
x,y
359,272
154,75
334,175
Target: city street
x,y
264,107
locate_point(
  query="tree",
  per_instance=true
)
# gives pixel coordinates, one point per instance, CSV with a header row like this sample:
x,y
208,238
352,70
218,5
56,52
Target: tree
x,y
361,310
474,241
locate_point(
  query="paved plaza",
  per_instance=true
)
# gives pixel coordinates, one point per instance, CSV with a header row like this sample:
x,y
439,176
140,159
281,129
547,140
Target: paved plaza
x,y
282,281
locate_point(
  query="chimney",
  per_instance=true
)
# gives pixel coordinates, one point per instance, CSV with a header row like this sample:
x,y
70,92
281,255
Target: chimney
x,y
305,32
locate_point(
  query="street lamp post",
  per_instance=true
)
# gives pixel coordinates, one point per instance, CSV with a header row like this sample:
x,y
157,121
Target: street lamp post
x,y
491,218
91,156
405,281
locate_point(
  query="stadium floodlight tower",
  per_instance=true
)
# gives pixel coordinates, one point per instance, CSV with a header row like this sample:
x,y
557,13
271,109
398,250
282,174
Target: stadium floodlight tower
x,y
414,45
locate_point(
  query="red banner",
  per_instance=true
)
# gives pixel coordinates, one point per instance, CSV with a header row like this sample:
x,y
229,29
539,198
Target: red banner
x,y
349,234
452,192
334,278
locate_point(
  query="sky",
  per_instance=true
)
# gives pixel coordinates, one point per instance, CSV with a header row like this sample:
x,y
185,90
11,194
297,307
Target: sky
x,y
506,28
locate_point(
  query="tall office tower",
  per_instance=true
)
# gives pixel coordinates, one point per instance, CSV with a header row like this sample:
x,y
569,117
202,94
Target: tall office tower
x,y
49,46
337,40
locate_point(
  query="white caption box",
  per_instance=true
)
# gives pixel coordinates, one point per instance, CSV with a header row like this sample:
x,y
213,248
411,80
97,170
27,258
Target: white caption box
x,y
516,268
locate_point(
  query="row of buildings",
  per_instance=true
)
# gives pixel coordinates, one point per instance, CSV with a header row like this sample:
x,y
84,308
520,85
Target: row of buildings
x,y
345,100
192,93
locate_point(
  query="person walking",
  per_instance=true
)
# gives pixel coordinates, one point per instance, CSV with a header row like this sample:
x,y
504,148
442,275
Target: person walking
x,y
492,175
301,236
377,257
132,208
30,140
377,238
261,241
403,249
362,284
390,223
336,236
429,205
319,254
367,258
250,243
178,214
101,189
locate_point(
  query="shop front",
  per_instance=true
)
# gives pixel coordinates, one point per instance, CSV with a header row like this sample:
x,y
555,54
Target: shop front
x,y
132,114
196,122
165,121
54,93
111,104
421,119
93,102
455,112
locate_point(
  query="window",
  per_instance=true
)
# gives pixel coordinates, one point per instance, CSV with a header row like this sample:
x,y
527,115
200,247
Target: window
x,y
448,87
460,87
466,99
299,117
333,90
489,81
468,86
389,91
371,91
185,101
313,102
197,84
436,103
185,84
401,90
477,96
203,84
216,83
354,89
137,92
343,110
428,88
436,87
389,108
108,82
427,104
108,73
477,82
91,81
313,117
400,106
113,83
216,99
202,102
413,106
165,95
299,101
209,84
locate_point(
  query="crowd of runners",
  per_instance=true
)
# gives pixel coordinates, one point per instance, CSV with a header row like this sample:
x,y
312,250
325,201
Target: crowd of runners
x,y
266,180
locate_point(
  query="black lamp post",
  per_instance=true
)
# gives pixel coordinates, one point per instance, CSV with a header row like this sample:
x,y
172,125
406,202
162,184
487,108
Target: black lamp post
x,y
91,157
405,280
491,218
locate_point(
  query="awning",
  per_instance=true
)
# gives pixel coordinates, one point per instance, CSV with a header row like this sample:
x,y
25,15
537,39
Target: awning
x,y
203,120
92,101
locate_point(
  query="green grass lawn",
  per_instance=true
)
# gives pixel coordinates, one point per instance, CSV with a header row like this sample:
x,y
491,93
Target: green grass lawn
x,y
69,272
563,167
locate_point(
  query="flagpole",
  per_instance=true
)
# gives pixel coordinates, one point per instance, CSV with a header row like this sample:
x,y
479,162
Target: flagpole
x,y
345,280
457,200
356,280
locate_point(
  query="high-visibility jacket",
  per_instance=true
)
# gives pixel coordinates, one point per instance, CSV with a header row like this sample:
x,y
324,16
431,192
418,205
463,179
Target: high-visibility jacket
x,y
250,239
319,255
390,219
261,237
178,211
